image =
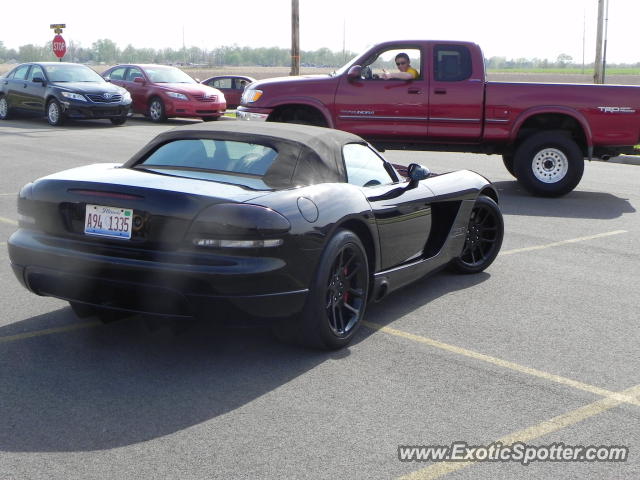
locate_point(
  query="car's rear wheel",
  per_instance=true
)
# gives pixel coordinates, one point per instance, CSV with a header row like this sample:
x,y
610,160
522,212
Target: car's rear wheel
x,y
156,110
83,310
549,164
5,111
210,119
55,116
337,299
484,237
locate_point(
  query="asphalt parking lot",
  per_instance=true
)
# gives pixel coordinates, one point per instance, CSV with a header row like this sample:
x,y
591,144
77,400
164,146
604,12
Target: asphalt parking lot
x,y
542,348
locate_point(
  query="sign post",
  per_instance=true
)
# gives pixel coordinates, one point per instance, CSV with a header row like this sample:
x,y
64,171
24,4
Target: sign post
x,y
58,45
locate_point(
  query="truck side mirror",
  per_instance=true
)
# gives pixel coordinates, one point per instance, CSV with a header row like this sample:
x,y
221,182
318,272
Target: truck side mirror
x,y
139,80
417,173
38,80
354,73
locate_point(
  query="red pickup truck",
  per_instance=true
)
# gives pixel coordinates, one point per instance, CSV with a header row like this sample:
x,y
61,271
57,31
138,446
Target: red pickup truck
x,y
543,131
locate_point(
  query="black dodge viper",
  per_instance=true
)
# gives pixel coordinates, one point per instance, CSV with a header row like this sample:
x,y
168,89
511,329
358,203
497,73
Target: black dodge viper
x,y
300,224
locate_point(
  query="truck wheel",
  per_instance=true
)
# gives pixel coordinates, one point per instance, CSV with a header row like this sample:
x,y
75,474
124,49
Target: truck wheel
x,y
549,164
337,298
508,160
302,116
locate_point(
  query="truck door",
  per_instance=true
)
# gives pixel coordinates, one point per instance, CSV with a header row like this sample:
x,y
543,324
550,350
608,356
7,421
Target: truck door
x,y
402,213
375,108
456,95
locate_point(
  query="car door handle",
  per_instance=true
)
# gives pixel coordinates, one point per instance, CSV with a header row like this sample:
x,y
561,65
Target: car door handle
x,y
414,90
440,91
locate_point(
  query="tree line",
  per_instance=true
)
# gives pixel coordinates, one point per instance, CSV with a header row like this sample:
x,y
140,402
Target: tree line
x,y
107,52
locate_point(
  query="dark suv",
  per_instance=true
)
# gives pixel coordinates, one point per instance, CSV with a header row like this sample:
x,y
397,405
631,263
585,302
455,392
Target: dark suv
x,y
60,91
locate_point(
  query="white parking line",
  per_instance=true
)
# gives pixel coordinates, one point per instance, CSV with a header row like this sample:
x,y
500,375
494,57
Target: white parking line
x,y
563,242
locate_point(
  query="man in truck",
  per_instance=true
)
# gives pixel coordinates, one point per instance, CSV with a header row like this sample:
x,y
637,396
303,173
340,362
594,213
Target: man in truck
x,y
407,72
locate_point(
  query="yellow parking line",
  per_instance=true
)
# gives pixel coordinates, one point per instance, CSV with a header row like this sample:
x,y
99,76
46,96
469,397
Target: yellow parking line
x,y
555,424
8,220
49,331
563,242
8,194
506,364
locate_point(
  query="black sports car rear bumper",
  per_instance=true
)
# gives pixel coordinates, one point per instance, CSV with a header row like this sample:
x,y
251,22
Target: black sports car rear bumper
x,y
44,266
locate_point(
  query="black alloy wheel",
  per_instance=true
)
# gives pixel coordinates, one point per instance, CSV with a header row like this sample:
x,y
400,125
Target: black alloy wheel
x,y
336,300
484,237
346,290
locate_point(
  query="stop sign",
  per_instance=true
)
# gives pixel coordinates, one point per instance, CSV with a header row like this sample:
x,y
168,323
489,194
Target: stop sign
x,y
59,46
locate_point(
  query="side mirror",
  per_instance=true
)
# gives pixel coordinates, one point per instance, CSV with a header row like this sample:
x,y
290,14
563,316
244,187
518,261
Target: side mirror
x,y
107,79
354,73
38,80
139,80
417,173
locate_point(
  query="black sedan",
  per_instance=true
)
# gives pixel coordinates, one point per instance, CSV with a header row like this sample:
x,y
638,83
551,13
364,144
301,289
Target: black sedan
x,y
60,91
300,224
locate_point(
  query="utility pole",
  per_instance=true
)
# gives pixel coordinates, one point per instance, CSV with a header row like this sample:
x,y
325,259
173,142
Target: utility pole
x,y
295,38
598,76
604,50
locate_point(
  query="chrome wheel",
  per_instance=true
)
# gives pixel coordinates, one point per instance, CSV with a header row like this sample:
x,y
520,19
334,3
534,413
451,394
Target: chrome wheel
x,y
53,113
550,165
156,110
346,290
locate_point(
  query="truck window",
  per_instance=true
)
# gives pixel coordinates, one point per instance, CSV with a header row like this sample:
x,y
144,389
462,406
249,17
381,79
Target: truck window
x,y
452,63
385,61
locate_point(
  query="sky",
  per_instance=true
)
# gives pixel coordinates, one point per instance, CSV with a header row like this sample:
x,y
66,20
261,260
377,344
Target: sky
x,y
507,28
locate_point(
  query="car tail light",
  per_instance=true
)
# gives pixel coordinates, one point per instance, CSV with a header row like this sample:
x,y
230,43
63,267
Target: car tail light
x,y
238,225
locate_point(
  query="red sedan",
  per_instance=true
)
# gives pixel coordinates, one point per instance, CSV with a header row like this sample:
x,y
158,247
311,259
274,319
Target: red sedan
x,y
231,85
160,91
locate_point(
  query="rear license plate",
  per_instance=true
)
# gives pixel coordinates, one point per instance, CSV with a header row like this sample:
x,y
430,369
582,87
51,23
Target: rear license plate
x,y
108,221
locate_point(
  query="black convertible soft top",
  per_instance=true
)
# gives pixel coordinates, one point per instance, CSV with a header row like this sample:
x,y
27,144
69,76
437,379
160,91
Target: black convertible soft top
x,y
307,155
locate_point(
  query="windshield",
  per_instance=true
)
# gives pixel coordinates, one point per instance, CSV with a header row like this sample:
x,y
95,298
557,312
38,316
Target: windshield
x,y
71,73
346,66
168,75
